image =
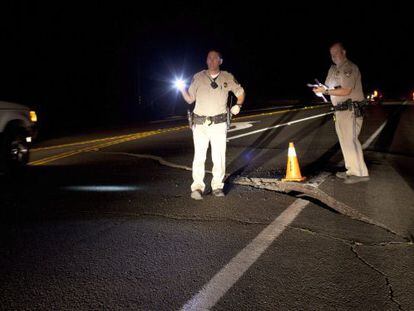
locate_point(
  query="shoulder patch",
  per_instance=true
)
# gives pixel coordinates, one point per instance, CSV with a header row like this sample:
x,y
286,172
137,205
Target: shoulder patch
x,y
230,77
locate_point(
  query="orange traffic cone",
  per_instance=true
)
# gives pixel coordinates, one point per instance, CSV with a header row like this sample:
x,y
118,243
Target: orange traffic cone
x,y
293,170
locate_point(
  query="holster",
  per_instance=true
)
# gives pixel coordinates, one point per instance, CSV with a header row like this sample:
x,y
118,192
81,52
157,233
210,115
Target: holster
x,y
190,118
229,115
359,108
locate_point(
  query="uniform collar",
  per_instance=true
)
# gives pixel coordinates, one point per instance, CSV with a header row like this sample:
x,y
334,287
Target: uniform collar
x,y
343,64
208,74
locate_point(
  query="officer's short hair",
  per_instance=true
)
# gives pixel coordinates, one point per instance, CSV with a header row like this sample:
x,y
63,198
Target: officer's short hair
x,y
215,51
340,43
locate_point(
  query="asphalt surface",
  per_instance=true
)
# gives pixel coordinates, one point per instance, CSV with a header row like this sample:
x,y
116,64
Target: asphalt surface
x,y
104,225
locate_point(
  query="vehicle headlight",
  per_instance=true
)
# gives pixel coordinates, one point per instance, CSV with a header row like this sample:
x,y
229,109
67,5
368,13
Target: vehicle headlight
x,y
33,116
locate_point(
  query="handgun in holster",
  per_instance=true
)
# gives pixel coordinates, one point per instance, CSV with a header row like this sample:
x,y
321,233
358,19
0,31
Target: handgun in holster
x,y
359,108
190,118
229,115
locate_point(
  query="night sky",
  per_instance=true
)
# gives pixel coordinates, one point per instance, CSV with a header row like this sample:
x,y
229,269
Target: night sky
x,y
97,64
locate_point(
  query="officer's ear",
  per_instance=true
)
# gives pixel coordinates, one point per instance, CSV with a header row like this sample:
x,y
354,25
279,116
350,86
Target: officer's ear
x,y
221,61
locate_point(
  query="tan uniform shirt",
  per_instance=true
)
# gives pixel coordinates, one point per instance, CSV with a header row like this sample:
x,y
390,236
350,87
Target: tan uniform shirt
x,y
346,75
209,101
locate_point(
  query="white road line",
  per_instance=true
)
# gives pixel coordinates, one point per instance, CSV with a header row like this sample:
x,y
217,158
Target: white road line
x,y
211,293
279,125
377,132
374,135
218,286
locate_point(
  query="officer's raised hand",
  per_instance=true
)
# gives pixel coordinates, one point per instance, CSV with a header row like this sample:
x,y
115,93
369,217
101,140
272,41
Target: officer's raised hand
x,y
189,98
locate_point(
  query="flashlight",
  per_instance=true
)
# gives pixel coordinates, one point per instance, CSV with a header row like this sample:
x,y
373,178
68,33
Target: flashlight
x,y
179,84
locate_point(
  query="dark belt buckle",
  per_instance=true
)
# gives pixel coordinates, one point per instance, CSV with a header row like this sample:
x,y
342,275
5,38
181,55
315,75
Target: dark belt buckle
x,y
208,121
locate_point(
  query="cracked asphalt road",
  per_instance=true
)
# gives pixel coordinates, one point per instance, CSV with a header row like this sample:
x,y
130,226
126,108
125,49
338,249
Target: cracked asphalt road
x,y
105,230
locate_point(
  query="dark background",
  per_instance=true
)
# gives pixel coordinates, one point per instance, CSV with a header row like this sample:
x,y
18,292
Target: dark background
x,y
84,65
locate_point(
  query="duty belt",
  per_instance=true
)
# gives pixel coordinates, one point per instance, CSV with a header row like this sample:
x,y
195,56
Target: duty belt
x,y
347,105
357,106
220,118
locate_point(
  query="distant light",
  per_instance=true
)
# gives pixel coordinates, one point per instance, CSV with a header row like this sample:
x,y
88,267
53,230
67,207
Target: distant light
x,y
179,84
28,139
102,188
376,95
33,116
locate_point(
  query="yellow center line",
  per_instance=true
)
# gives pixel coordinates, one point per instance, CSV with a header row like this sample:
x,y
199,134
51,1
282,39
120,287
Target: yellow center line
x,y
102,145
85,142
87,149
110,141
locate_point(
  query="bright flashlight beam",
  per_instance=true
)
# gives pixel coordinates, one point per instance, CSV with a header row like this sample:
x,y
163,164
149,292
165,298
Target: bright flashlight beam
x,y
179,84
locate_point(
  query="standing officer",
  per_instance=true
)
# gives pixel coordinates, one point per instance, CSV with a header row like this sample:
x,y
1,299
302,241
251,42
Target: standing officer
x,y
344,83
209,89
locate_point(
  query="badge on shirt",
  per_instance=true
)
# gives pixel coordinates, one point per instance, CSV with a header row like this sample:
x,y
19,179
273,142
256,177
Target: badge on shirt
x,y
348,72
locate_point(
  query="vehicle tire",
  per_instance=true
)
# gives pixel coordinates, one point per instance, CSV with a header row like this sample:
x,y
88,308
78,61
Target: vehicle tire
x,y
15,150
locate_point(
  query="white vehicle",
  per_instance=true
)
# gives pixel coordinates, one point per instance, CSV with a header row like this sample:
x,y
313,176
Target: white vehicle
x,y
17,127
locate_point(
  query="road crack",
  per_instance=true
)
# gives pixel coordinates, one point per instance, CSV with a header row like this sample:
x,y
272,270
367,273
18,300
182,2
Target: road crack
x,y
387,280
314,192
353,244
350,242
309,189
